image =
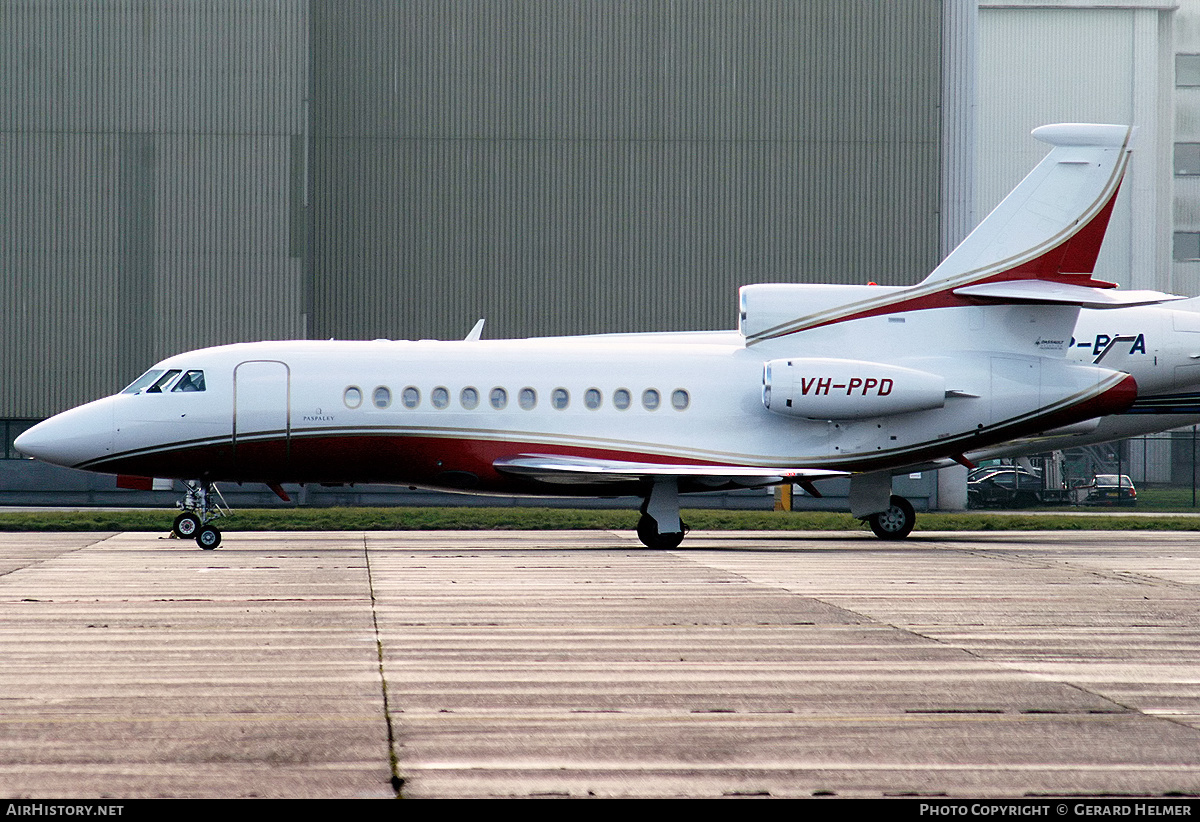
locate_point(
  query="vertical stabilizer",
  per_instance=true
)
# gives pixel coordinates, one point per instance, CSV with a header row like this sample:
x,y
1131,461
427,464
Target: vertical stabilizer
x,y
1038,246
1049,227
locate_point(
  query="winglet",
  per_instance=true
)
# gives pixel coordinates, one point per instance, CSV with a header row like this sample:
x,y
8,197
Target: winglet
x,y
1051,226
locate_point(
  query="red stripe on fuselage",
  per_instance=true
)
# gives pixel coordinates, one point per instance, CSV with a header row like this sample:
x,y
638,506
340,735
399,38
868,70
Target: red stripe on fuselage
x,y
464,462
366,457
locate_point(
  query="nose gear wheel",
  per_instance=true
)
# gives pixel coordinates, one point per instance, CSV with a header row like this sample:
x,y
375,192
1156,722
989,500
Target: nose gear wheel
x,y
202,503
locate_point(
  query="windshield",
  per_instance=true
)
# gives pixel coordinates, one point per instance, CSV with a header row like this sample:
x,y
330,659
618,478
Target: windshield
x,y
163,381
140,384
157,380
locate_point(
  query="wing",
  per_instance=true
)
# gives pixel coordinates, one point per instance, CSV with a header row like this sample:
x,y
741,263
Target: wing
x,y
584,471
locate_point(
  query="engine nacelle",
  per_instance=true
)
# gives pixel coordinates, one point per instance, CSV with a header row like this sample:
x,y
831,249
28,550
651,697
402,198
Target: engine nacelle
x,y
832,389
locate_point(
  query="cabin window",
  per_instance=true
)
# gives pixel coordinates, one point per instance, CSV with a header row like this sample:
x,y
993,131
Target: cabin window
x,y
560,399
352,396
621,399
680,399
440,397
410,396
140,384
498,398
469,398
527,398
190,381
382,397
650,399
592,398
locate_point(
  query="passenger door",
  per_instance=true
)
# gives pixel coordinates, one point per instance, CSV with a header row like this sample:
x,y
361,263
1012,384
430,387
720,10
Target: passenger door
x,y
262,426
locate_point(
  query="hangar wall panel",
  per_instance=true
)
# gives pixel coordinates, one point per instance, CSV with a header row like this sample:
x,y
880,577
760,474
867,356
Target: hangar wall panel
x,y
613,166
1186,193
1053,62
558,166
146,182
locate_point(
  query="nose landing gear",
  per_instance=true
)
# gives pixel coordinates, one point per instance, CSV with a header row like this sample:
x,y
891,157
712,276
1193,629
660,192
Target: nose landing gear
x,y
202,503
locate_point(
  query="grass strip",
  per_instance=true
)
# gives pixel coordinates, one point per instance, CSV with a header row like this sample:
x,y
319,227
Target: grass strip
x,y
535,519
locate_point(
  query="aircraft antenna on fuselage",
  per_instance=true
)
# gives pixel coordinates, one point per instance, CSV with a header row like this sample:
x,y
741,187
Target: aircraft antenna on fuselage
x,y
476,333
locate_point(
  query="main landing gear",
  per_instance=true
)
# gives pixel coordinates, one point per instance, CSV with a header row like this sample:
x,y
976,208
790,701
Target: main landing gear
x,y
894,522
660,526
202,503
872,501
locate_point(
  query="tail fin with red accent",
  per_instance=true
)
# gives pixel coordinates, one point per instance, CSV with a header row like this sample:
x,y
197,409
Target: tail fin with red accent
x,y
1040,246
1041,243
1049,227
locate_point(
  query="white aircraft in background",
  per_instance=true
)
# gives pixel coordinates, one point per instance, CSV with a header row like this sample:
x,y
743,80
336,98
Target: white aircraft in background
x,y
1159,346
818,381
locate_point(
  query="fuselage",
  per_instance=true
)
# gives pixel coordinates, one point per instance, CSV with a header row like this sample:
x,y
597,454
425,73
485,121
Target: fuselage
x,y
441,413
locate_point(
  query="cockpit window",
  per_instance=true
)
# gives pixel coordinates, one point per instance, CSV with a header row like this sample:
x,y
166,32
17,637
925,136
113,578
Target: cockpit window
x,y
191,381
163,381
140,384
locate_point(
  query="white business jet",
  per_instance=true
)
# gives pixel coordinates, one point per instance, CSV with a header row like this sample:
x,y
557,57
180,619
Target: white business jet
x,y
818,381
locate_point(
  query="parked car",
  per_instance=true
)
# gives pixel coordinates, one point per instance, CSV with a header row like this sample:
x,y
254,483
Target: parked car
x,y
1107,489
1003,486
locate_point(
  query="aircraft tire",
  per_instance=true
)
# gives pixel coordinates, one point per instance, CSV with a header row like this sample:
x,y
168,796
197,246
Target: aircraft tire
x,y
896,522
186,525
647,531
208,537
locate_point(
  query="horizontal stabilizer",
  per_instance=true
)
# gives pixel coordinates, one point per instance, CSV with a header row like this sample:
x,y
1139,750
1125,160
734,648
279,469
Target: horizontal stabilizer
x,y
560,470
1045,291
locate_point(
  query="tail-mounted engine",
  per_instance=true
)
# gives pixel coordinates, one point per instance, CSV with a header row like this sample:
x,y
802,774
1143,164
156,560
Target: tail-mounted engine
x,y
833,389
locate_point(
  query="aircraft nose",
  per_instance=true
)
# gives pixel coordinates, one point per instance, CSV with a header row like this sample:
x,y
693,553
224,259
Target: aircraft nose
x,y
72,437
